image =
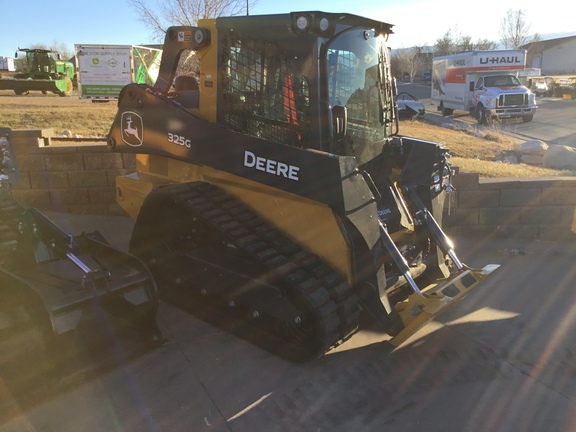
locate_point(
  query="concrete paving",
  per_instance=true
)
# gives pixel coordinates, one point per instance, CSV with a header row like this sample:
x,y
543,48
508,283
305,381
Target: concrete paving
x,y
502,359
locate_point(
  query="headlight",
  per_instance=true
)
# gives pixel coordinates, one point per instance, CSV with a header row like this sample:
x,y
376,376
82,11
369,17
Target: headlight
x,y
323,24
314,22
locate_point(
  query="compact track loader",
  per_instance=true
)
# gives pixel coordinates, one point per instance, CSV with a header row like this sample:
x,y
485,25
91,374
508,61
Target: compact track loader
x,y
273,191
68,304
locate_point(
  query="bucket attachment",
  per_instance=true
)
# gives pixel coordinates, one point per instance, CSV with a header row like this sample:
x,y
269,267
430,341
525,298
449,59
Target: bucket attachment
x,y
69,305
423,304
71,274
90,306
421,307
61,86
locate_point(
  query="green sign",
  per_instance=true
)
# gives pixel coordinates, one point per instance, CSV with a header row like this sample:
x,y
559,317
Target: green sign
x,y
101,90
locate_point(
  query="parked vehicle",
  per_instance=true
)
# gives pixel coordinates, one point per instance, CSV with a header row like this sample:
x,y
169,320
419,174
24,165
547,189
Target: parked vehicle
x,y
277,191
409,107
44,71
427,77
540,88
565,88
7,64
483,83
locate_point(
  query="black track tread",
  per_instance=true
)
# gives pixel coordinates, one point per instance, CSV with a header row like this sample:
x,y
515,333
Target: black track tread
x,y
326,292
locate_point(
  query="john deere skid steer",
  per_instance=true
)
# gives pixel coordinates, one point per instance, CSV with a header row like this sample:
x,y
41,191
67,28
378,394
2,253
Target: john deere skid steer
x,y
274,190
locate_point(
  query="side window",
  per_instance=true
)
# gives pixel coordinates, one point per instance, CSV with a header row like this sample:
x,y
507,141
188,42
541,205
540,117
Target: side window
x,y
262,93
479,83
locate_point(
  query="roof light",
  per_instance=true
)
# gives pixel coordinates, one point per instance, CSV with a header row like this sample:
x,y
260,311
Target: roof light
x,y
324,24
199,36
302,23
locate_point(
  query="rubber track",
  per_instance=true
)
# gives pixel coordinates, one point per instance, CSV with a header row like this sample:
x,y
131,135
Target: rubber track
x,y
327,293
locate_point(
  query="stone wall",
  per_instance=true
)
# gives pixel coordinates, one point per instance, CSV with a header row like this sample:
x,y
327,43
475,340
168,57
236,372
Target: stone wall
x,y
67,177
535,208
80,179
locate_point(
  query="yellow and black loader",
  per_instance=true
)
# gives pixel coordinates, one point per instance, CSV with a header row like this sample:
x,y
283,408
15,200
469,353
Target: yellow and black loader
x,y
273,187
273,195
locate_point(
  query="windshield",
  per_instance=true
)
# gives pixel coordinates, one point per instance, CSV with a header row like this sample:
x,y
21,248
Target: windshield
x,y
40,61
501,81
356,74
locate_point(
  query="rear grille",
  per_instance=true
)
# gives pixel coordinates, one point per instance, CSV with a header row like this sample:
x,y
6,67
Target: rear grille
x,y
513,99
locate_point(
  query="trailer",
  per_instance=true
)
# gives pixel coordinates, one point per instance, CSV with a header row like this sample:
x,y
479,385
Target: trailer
x,y
7,64
103,70
484,83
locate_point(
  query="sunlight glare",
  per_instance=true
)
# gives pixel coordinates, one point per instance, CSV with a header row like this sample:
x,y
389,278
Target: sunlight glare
x,y
483,315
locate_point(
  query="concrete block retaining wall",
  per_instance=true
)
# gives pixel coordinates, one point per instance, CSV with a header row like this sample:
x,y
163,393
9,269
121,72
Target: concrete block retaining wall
x,y
81,179
67,177
534,208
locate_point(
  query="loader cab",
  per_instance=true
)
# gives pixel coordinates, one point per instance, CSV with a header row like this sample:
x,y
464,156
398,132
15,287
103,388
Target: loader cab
x,y
311,80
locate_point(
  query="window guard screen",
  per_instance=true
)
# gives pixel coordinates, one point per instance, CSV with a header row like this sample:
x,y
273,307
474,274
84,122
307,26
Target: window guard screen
x,y
261,94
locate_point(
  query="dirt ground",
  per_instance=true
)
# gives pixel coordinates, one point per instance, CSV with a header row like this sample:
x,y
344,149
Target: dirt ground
x,y
41,111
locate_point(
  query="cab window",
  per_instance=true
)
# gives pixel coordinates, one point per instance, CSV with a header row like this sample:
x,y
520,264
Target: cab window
x,y
262,93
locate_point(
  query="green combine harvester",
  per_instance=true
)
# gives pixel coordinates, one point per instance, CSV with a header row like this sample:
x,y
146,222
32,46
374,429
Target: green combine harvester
x,y
43,71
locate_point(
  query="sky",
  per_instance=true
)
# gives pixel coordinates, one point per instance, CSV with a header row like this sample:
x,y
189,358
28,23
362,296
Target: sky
x,y
416,22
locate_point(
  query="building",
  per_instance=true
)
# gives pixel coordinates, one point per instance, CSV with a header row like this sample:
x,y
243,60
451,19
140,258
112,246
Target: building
x,y
553,56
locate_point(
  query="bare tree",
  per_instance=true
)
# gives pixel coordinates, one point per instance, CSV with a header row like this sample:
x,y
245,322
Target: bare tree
x,y
408,60
453,42
515,31
63,49
448,43
59,47
485,44
166,13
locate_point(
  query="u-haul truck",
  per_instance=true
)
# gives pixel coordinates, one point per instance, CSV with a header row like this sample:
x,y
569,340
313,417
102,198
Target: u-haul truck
x,y
483,83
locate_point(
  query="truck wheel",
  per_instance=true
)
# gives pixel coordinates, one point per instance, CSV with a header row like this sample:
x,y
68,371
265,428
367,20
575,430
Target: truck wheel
x,y
481,115
528,118
69,87
445,111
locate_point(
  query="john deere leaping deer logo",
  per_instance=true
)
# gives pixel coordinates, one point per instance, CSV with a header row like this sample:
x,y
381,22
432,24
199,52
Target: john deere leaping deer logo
x,y
132,128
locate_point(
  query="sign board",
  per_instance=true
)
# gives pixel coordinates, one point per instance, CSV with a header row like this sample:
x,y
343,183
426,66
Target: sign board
x,y
103,70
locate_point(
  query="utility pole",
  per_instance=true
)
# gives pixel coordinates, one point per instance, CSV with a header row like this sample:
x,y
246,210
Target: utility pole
x,y
247,7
